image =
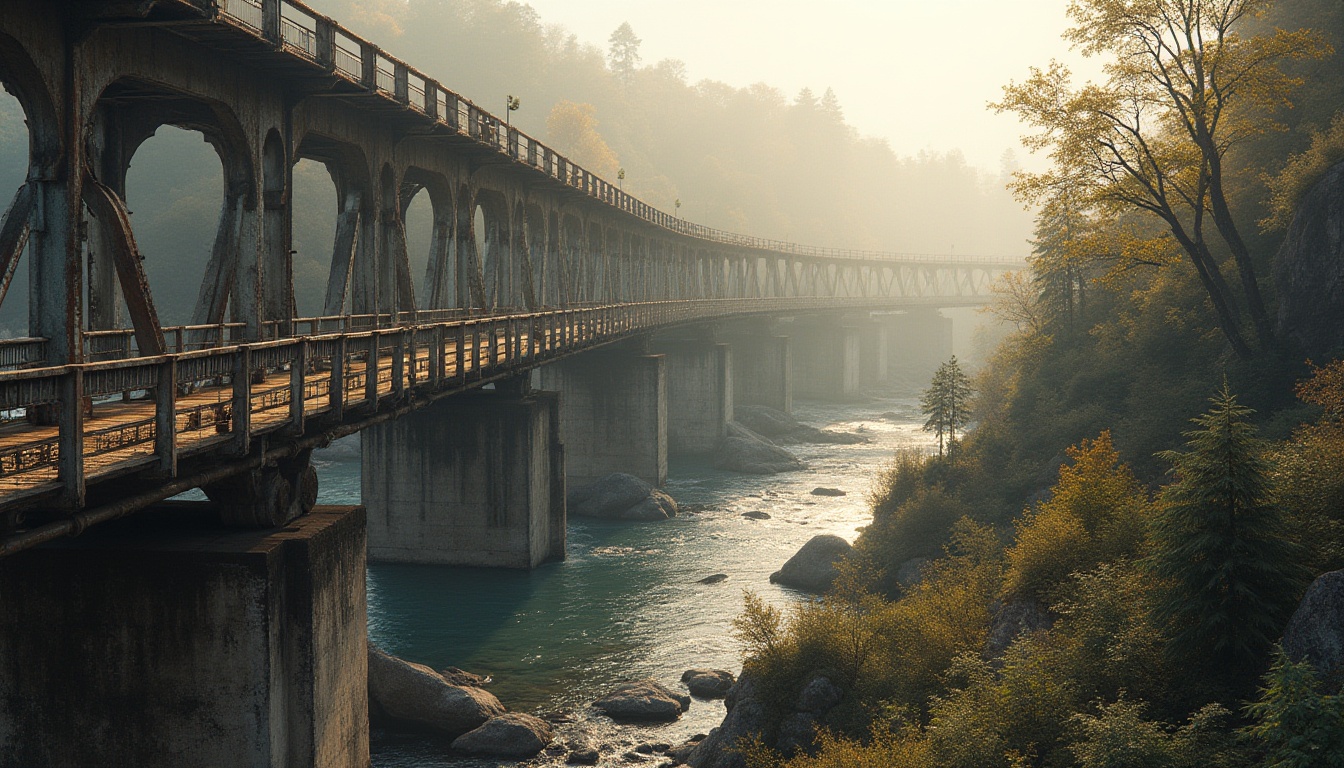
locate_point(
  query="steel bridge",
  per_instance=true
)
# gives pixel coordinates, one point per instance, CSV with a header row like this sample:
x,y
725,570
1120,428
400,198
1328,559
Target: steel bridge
x,y
102,417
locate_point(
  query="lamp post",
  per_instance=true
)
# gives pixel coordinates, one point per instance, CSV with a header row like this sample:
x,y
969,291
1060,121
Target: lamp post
x,y
511,105
620,178
678,207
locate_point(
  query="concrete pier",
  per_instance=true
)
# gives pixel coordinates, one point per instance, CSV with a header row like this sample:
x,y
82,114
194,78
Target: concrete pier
x,y
763,371
167,640
918,342
613,414
825,359
476,479
874,343
699,394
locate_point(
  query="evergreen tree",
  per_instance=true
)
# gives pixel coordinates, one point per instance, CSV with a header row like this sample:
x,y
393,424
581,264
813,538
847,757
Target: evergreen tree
x,y
946,403
1230,575
623,55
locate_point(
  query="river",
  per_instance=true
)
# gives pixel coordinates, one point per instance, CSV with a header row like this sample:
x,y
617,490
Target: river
x,y
627,602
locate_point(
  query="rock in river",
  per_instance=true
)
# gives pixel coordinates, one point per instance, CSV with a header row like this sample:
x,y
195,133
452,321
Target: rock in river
x,y
516,736
812,569
828,492
745,451
619,496
714,578
643,700
412,695
708,683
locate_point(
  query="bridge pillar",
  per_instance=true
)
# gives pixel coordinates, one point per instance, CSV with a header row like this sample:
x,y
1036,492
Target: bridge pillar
x,y
476,479
874,362
699,394
166,640
613,414
825,359
918,342
763,371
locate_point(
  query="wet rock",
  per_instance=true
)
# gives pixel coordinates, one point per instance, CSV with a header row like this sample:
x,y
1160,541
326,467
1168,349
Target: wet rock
x,y
619,496
1315,633
745,720
708,683
681,752
756,515
742,450
828,492
643,700
715,579
455,676
514,735
407,695
813,569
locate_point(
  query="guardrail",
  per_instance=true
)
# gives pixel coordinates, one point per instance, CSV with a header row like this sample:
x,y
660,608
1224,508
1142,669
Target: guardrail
x,y
309,35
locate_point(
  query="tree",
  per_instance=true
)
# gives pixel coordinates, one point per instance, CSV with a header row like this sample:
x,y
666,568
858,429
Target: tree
x,y
572,129
1230,575
1184,88
623,55
947,404
1298,725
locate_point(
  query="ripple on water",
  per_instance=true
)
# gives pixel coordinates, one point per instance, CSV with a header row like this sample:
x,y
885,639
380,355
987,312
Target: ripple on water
x,y
627,602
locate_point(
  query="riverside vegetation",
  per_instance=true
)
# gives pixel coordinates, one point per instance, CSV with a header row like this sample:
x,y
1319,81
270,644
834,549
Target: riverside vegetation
x,y
1155,470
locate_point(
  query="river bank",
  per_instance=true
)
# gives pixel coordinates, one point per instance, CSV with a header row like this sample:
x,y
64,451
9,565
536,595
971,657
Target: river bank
x,y
627,602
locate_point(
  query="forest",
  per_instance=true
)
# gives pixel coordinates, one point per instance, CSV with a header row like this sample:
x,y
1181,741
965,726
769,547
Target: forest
x,y
1098,571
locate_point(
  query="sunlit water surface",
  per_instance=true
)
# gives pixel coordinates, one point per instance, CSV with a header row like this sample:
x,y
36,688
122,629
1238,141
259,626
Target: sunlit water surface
x,y
626,603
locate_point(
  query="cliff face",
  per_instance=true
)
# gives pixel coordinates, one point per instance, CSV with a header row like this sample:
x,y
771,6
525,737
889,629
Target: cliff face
x,y
1309,271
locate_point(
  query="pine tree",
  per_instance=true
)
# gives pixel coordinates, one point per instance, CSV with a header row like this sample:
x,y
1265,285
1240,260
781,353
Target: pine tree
x,y
623,55
1230,575
947,404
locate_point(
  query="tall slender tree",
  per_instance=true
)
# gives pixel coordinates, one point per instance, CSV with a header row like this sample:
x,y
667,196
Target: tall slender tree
x,y
947,404
1230,574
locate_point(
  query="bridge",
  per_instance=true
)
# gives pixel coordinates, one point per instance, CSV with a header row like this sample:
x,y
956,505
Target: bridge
x,y
534,264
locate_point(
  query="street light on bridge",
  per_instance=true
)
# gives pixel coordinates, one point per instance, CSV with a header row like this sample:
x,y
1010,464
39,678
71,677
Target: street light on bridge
x,y
511,105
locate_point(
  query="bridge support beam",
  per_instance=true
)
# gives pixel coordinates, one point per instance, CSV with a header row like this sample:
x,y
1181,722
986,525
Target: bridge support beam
x,y
613,414
476,479
165,640
918,342
825,359
699,394
874,361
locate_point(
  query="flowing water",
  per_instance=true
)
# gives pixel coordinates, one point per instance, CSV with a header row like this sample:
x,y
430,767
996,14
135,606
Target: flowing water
x,y
627,602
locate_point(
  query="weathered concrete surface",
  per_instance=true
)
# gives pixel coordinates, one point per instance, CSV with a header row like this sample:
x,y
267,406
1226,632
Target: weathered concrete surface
x,y
699,394
164,640
477,479
763,371
613,414
825,359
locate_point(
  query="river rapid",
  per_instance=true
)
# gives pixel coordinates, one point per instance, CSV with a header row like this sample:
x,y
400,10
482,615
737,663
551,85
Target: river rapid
x,y
627,602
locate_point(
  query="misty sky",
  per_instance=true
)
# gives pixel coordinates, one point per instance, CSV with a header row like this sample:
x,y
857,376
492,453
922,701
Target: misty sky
x,y
917,72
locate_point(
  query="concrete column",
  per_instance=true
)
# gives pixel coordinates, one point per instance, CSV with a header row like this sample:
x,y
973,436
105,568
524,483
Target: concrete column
x,y
873,358
825,360
613,414
164,640
476,479
918,342
763,371
699,394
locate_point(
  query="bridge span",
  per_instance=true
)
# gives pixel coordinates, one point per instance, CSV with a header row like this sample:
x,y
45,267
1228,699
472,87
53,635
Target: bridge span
x,y
533,261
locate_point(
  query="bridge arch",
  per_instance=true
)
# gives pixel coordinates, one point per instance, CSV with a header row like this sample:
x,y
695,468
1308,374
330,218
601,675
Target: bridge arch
x,y
492,231
439,286
348,168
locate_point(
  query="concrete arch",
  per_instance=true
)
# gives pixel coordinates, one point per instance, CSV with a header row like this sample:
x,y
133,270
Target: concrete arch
x,y
438,291
348,167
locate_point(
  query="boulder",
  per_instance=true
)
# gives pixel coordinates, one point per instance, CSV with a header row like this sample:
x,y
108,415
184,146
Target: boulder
x,y
745,720
586,755
797,733
708,683
742,450
756,514
681,752
1309,270
415,696
643,700
619,496
1011,619
1315,633
780,426
515,736
455,676
813,569
819,696
714,578
828,492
